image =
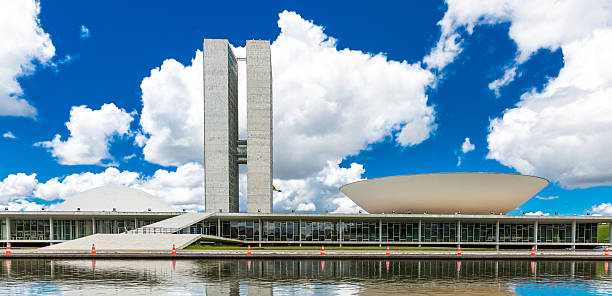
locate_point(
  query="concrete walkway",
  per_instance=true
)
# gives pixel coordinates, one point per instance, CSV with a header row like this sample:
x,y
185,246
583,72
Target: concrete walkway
x,y
172,225
125,242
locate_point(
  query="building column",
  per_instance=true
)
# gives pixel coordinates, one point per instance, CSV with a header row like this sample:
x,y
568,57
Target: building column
x,y
497,235
419,233
8,228
458,231
574,234
341,234
260,230
380,232
50,230
93,225
300,221
535,234
610,238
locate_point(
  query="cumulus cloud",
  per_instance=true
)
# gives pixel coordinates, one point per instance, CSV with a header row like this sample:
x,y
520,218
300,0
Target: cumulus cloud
x,y
17,186
564,133
317,118
24,44
172,117
23,205
9,135
604,209
466,147
533,25
319,192
91,131
320,93
508,77
85,34
181,188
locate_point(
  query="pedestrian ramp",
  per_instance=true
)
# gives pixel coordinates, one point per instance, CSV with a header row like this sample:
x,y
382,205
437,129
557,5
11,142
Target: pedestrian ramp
x,y
173,224
125,242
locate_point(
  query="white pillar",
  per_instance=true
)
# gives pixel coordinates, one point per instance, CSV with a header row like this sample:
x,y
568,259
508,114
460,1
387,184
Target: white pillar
x,y
380,231
93,225
8,228
459,232
574,234
419,233
535,234
50,230
497,235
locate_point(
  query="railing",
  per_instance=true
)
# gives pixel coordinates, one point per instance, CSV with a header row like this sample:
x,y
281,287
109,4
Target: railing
x,y
153,230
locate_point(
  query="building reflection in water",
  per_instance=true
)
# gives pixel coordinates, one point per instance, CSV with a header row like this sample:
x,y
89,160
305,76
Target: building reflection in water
x,y
263,277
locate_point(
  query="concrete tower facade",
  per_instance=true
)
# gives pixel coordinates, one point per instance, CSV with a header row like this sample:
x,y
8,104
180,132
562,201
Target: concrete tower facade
x,y
220,126
259,126
223,150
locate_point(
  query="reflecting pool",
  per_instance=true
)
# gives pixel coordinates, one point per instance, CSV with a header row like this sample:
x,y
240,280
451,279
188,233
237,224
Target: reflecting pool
x,y
303,277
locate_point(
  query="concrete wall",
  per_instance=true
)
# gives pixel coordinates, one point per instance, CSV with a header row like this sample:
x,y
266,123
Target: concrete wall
x,y
220,126
259,126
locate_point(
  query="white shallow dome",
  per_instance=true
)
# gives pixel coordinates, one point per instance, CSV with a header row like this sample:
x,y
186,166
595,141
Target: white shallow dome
x,y
122,199
444,193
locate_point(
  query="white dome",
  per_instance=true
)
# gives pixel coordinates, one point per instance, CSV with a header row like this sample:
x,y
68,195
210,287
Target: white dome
x,y
105,198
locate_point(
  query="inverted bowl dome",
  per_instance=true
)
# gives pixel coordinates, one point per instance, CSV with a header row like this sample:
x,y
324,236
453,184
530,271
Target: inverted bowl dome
x,y
445,193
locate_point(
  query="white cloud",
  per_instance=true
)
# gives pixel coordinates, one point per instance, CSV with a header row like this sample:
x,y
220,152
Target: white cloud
x,y
85,34
9,135
172,115
23,205
24,43
508,77
534,25
17,186
552,197
317,118
604,209
182,188
90,134
537,213
319,192
564,133
467,146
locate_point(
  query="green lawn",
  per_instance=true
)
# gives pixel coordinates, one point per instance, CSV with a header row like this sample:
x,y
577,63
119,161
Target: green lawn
x,y
603,233
234,247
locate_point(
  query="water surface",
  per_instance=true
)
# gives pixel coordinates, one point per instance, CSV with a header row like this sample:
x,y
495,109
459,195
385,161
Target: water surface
x,y
303,277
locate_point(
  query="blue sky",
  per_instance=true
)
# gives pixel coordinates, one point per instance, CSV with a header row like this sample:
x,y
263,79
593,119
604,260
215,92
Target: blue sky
x,y
361,91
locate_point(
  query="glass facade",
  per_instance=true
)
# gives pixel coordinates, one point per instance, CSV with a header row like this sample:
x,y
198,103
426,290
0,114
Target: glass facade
x,y
555,233
478,232
30,229
516,233
241,229
281,231
71,229
586,232
400,231
320,231
204,227
360,231
439,232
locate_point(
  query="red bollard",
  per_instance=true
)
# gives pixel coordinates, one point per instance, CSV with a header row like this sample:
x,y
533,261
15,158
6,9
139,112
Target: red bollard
x,y
388,252
173,250
249,251
533,251
459,250
322,250
93,249
8,249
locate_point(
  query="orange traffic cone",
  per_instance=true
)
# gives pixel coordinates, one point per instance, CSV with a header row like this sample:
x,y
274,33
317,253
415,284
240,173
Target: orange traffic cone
x,y
533,251
322,250
459,250
8,248
606,254
388,252
93,249
249,251
173,250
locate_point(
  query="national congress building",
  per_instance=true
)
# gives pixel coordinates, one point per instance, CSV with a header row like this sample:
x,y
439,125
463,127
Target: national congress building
x,y
429,209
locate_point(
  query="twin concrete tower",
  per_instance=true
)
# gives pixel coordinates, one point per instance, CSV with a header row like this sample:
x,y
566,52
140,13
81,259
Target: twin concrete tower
x,y
223,151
